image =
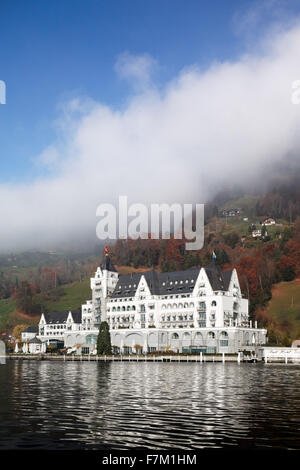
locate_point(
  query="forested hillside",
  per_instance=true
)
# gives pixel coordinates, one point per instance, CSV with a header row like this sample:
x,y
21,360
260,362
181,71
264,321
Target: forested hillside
x,y
31,283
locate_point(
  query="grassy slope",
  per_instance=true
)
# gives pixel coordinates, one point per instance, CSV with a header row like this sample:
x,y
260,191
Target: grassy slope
x,y
285,306
7,307
74,295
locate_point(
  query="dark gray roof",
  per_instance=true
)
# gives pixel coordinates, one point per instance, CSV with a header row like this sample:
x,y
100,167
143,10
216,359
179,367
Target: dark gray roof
x,y
107,264
31,329
176,282
76,314
61,317
158,283
35,340
219,280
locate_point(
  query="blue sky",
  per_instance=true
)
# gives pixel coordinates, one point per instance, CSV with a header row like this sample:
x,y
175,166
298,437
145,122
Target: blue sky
x,y
54,50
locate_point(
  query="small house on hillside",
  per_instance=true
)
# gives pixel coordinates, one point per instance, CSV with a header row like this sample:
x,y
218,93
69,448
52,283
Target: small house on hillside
x,y
258,234
231,212
269,221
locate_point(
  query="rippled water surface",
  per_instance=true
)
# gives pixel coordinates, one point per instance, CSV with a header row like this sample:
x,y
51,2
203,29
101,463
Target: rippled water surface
x,y
53,405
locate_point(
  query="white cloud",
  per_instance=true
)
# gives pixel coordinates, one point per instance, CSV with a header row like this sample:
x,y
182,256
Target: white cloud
x,y
48,158
137,69
249,19
207,129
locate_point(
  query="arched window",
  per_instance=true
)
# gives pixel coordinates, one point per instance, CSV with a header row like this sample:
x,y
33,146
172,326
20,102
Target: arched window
x,y
211,335
175,336
224,339
214,303
91,339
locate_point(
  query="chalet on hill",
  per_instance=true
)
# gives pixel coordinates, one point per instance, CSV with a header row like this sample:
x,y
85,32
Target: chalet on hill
x,y
231,212
269,221
258,233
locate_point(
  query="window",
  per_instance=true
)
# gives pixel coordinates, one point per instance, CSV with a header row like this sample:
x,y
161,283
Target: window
x,y
91,339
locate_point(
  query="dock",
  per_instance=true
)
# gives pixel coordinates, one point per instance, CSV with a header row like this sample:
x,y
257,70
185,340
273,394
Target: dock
x,y
199,358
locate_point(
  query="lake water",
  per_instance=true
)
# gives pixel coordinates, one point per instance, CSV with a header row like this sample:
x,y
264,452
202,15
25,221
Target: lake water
x,y
53,405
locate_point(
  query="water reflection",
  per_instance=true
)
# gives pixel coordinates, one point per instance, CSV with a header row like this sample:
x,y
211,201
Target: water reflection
x,y
115,405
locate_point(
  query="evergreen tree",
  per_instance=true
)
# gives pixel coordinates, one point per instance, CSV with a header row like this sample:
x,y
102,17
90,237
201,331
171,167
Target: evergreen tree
x,y
104,341
272,337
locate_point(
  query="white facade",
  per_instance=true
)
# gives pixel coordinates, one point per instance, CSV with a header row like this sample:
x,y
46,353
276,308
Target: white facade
x,y
197,310
193,310
28,334
280,354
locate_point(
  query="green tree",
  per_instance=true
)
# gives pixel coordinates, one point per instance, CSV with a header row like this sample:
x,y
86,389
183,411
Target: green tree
x,y
104,341
285,341
273,338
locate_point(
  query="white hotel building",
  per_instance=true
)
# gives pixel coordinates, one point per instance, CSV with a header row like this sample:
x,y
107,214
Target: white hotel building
x,y
200,309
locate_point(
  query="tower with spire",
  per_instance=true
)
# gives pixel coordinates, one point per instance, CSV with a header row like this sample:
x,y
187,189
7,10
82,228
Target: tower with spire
x,y
102,286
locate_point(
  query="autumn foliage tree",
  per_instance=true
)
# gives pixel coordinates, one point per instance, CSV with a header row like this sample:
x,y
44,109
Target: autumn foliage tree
x,y
17,331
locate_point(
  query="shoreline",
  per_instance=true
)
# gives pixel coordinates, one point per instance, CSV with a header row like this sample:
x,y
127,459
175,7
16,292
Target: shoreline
x,y
127,358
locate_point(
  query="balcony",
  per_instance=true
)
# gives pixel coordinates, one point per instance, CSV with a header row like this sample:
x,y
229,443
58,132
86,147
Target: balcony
x,y
201,309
